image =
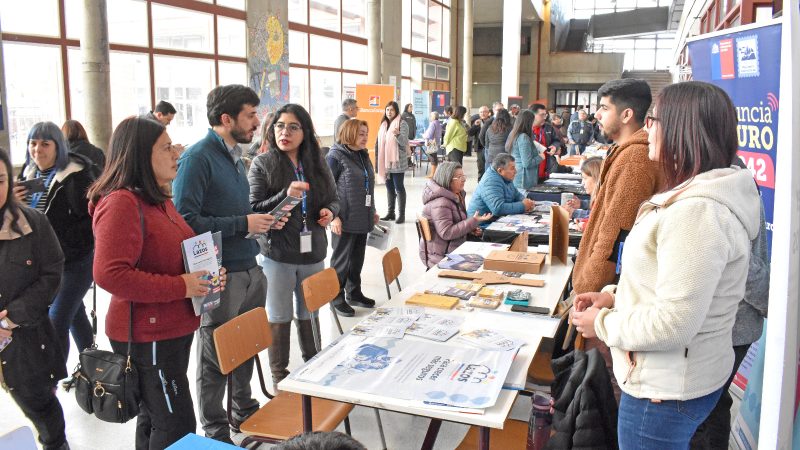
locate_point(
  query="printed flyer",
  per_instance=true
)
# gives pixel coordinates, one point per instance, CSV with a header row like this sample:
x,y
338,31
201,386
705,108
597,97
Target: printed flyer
x,y
434,374
204,252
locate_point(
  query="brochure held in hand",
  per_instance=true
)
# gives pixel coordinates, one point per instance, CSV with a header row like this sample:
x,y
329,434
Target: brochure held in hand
x,y
204,252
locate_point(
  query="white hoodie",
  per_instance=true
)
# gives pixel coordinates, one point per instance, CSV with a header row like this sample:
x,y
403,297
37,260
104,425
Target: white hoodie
x,y
684,268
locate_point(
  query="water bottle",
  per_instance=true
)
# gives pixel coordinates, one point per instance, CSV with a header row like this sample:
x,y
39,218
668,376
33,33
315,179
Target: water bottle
x,y
539,422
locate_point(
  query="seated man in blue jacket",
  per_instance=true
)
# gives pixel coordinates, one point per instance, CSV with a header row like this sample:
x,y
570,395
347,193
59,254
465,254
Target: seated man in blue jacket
x,y
496,192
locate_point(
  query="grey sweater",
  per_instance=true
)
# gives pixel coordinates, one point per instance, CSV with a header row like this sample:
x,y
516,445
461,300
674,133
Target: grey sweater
x,y
753,308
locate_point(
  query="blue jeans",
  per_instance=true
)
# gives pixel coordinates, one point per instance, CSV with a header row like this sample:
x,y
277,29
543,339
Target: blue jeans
x,y
67,312
285,279
670,424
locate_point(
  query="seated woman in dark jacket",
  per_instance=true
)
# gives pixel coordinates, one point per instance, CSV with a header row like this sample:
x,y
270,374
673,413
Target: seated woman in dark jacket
x,y
30,357
79,143
443,200
293,165
355,185
66,178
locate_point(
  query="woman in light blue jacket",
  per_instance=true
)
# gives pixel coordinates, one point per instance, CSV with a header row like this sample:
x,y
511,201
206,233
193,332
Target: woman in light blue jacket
x,y
521,147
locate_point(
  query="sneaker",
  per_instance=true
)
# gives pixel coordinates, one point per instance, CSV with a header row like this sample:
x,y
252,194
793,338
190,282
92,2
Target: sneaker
x,y
362,301
344,310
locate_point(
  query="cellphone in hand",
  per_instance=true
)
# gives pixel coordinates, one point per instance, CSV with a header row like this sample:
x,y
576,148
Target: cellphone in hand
x,y
33,185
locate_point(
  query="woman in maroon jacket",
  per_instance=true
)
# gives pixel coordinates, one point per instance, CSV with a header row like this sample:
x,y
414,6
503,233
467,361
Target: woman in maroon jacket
x,y
443,206
138,235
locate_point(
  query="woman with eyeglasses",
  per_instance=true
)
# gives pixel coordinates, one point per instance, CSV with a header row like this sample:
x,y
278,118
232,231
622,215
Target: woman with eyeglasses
x,y
392,152
292,165
30,356
138,260
446,211
669,320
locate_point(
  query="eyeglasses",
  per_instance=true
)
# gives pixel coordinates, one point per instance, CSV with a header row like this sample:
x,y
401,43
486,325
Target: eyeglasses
x,y
292,127
649,121
462,178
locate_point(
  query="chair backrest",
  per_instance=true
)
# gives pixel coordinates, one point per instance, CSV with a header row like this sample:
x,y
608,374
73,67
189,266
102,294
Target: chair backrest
x,y
319,289
392,265
241,338
424,228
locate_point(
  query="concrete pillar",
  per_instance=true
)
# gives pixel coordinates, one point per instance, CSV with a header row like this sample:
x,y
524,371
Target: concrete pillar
x,y
374,41
512,21
96,73
466,93
268,52
5,138
455,59
392,42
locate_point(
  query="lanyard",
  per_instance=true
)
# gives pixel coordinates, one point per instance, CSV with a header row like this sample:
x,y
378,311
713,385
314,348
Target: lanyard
x,y
298,173
37,196
366,173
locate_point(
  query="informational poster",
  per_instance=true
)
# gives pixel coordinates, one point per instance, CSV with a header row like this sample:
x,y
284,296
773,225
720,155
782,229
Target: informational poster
x,y
439,100
745,64
421,100
372,100
432,374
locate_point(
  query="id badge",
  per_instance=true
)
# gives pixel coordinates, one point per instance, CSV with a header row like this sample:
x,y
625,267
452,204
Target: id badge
x,y
305,242
369,201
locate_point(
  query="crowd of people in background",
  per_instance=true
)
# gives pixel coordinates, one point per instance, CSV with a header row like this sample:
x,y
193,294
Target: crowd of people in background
x,y
692,280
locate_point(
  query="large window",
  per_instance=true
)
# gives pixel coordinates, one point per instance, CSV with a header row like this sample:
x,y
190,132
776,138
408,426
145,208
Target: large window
x,y
585,9
652,52
327,56
426,28
183,63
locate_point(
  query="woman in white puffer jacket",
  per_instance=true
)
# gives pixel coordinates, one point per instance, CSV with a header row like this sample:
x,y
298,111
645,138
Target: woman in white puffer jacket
x,y
668,322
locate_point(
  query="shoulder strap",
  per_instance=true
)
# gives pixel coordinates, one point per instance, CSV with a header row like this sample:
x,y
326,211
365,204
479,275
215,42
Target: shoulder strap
x,y
94,295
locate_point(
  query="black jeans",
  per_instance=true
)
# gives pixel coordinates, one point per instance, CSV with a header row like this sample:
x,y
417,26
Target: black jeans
x,y
348,260
481,163
715,431
456,156
40,405
166,408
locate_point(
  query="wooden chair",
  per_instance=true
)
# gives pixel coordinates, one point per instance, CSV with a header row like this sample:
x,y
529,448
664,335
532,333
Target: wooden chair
x,y
392,266
513,436
319,290
243,338
424,234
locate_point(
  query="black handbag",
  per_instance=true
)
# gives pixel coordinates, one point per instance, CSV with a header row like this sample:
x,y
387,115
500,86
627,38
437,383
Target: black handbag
x,y
107,383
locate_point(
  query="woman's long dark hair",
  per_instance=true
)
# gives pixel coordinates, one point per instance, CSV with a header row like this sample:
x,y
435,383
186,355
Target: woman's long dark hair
x,y
308,153
130,164
696,130
522,125
501,122
406,108
11,204
396,109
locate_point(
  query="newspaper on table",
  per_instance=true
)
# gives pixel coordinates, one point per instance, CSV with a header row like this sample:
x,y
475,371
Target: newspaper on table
x,y
436,374
435,327
388,322
490,340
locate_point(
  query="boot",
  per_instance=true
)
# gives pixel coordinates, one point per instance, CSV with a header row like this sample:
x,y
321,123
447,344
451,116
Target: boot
x,y
279,351
305,335
391,196
401,205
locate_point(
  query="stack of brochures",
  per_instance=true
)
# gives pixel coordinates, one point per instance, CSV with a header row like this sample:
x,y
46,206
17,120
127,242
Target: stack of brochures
x,y
397,322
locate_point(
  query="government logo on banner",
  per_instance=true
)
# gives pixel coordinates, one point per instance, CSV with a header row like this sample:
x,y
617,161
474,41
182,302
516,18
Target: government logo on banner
x,y
735,57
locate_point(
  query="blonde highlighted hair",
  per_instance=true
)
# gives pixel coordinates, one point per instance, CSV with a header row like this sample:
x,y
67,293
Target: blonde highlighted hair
x,y
348,133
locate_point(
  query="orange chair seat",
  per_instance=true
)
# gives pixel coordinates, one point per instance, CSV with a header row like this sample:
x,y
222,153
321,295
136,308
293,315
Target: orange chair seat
x,y
514,435
281,417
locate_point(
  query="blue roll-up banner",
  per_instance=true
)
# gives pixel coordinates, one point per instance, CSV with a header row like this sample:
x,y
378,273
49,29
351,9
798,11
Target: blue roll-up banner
x,y
745,62
422,111
746,65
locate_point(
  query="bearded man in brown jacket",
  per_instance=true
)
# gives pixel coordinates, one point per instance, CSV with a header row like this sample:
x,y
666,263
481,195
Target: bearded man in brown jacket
x,y
627,179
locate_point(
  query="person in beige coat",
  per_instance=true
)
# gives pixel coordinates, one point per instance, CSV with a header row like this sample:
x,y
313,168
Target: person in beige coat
x,y
685,262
